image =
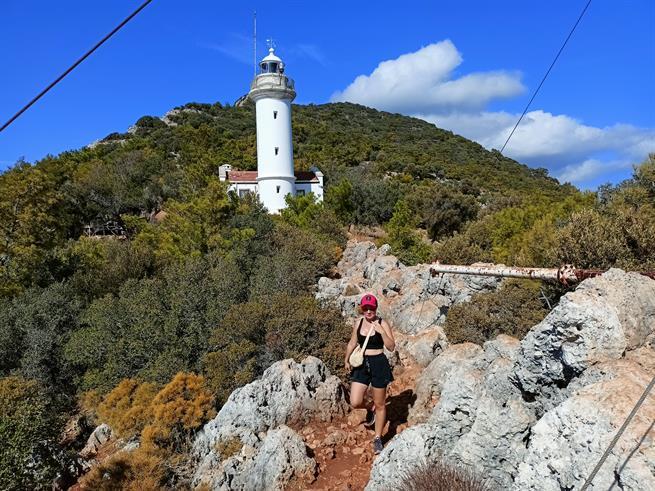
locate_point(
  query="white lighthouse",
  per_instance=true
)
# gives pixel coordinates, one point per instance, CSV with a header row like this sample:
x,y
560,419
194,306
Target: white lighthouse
x,y
273,92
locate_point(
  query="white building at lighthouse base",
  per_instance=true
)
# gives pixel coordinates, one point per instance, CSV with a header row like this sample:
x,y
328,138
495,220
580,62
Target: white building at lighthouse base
x,y
245,181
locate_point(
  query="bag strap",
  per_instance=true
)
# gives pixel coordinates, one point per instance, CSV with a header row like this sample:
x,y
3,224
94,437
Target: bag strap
x,y
367,336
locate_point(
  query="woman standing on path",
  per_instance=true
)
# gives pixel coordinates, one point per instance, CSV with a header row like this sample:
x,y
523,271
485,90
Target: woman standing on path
x,y
375,370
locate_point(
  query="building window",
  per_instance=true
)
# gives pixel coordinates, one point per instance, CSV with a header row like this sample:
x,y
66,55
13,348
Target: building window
x,y
277,149
274,114
278,189
244,192
300,192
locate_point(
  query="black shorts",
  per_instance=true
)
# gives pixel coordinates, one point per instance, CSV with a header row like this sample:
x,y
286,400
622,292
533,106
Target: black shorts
x,y
375,371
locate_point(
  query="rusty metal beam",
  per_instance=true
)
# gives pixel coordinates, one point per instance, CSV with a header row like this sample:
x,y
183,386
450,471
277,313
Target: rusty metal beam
x,y
566,275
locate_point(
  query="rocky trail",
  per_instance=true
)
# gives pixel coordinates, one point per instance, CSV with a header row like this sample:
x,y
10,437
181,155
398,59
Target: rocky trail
x,y
343,448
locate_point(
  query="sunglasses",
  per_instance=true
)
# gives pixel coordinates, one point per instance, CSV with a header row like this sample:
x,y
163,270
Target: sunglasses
x,y
367,308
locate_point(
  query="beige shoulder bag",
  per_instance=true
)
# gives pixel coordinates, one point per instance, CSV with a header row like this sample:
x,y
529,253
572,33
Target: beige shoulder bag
x,y
357,356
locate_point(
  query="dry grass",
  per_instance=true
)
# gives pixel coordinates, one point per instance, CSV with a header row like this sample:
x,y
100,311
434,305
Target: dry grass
x,y
439,476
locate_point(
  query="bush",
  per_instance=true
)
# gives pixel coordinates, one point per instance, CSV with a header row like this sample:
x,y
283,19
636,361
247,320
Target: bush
x,y
591,240
155,327
28,432
140,470
127,407
511,310
165,421
178,410
439,476
406,243
38,322
459,249
298,259
442,209
256,334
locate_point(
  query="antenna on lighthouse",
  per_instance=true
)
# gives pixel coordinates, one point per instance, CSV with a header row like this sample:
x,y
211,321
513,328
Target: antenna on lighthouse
x,y
254,38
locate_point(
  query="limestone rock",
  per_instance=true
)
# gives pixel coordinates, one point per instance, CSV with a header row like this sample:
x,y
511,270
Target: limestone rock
x,y
416,444
538,414
602,318
422,348
567,442
98,437
281,458
456,358
288,392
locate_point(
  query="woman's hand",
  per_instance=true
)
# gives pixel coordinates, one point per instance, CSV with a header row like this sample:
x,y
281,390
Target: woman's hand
x,y
347,366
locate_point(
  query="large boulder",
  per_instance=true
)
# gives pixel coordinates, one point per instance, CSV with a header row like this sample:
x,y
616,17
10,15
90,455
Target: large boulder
x,y
599,321
539,414
281,459
287,393
568,441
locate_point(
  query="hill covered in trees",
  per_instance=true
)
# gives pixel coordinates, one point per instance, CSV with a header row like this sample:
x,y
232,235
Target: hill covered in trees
x,y
104,300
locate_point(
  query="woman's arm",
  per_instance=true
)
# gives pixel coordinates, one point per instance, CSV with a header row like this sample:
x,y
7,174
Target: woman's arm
x,y
387,336
351,344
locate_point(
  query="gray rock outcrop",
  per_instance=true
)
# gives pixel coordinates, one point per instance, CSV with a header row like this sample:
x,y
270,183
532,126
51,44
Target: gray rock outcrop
x,y
287,393
100,435
537,415
413,300
281,459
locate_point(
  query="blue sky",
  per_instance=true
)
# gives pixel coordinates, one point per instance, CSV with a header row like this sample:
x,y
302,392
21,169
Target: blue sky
x,y
468,66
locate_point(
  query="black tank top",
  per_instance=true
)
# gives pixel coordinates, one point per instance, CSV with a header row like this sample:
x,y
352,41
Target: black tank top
x,y
375,341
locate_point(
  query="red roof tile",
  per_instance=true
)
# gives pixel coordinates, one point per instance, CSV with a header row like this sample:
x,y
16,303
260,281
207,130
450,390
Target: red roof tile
x,y
251,176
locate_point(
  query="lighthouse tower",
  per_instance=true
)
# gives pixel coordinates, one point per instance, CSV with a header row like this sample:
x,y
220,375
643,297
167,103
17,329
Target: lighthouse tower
x,y
273,92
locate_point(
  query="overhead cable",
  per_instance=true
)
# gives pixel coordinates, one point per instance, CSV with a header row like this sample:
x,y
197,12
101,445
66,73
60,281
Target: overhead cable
x,y
618,435
74,65
546,75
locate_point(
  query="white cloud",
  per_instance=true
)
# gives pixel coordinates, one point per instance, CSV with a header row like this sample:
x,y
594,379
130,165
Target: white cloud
x,y
421,84
593,172
422,81
542,136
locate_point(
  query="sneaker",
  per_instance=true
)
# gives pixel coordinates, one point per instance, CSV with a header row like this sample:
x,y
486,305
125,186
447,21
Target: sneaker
x,y
377,445
370,417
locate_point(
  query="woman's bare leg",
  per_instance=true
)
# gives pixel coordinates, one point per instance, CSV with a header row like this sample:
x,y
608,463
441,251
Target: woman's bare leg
x,y
357,393
380,400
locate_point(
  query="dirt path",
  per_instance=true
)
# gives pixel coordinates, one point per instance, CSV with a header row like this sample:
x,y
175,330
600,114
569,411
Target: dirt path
x,y
343,448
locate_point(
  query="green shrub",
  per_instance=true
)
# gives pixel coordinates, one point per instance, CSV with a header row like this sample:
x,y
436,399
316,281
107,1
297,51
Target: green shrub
x,y
155,327
406,243
28,432
297,260
511,310
255,334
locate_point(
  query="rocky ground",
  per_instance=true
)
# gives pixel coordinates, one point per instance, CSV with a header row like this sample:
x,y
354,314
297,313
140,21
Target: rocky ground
x,y
531,414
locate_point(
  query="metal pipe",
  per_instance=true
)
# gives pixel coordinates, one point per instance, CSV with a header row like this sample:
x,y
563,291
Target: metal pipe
x,y
566,274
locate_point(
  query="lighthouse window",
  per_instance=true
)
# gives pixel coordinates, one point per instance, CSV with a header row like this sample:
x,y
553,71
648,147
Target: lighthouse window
x,y
278,189
274,114
277,149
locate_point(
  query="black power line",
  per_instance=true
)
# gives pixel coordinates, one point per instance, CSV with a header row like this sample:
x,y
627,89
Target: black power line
x,y
72,67
546,76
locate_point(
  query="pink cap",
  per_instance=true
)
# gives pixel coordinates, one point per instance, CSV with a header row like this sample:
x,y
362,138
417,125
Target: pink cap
x,y
369,300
